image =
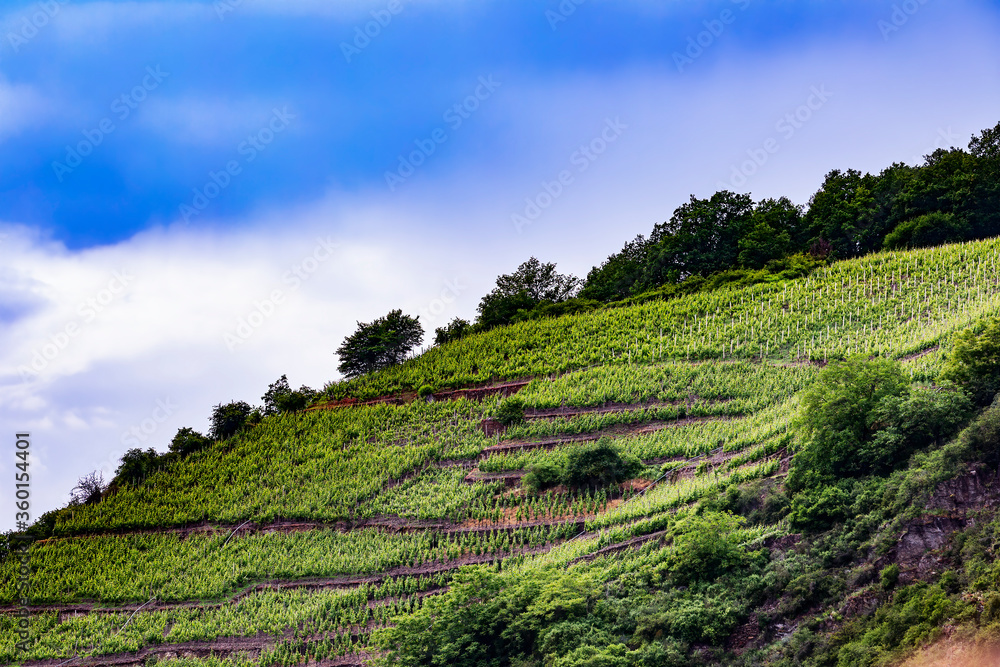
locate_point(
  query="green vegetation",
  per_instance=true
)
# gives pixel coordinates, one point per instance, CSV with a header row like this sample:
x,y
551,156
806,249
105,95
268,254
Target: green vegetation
x,y
735,449
228,419
510,411
533,285
591,466
891,304
379,344
975,361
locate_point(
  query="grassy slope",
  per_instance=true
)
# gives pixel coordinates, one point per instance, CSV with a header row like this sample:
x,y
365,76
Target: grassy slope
x,y
340,465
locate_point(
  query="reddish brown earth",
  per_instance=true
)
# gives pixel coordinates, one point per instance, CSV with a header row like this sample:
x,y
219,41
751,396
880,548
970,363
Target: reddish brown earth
x,y
222,647
473,393
326,583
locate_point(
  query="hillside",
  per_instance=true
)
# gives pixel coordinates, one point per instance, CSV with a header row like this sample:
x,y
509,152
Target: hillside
x,y
331,534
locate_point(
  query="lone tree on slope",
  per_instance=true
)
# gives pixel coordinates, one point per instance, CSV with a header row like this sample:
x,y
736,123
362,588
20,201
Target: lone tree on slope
x,y
379,344
533,283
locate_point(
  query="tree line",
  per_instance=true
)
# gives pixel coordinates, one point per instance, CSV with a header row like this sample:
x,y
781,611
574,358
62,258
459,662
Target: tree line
x,y
227,420
729,238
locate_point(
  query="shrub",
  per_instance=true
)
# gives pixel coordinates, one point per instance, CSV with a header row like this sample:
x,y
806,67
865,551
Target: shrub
x,y
975,362
838,421
425,391
136,465
543,475
889,577
819,508
704,546
88,489
510,411
927,230
454,330
925,416
599,464
281,398
228,419
983,435
187,441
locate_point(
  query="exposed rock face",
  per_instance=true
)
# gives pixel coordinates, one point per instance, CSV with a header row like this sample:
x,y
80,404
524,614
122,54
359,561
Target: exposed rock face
x,y
919,547
954,506
973,490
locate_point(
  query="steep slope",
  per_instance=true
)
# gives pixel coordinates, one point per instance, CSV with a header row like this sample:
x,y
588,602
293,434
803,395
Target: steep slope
x,y
298,538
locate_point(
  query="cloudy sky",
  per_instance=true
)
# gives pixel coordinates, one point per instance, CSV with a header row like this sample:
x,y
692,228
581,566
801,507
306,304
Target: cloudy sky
x,y
196,197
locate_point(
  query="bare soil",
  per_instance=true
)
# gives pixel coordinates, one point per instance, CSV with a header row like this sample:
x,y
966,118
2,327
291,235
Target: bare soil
x,y
346,581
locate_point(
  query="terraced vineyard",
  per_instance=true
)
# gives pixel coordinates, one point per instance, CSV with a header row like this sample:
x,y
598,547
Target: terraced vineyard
x,y
298,539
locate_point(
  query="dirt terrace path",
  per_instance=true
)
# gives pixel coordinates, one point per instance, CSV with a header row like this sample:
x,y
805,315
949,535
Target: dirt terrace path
x,y
346,581
389,524
473,393
222,647
713,459
616,431
620,546
613,407
398,524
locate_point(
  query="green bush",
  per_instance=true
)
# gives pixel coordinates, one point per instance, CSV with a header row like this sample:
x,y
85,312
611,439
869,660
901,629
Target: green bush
x,y
187,441
425,391
819,508
510,411
889,577
543,475
975,362
926,416
592,466
598,464
838,421
705,546
229,418
927,230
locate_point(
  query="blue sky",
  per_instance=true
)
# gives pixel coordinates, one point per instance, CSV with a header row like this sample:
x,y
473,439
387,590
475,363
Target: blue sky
x,y
182,166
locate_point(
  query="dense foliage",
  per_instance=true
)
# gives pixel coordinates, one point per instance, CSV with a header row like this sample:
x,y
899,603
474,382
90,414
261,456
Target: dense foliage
x,y
975,361
595,465
891,304
533,284
405,520
379,344
954,196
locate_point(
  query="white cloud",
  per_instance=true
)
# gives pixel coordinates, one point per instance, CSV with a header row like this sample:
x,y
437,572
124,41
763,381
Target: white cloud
x,y
119,330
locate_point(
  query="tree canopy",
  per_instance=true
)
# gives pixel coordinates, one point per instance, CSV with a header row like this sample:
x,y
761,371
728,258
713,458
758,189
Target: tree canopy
x,y
379,344
975,362
953,196
533,283
228,419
